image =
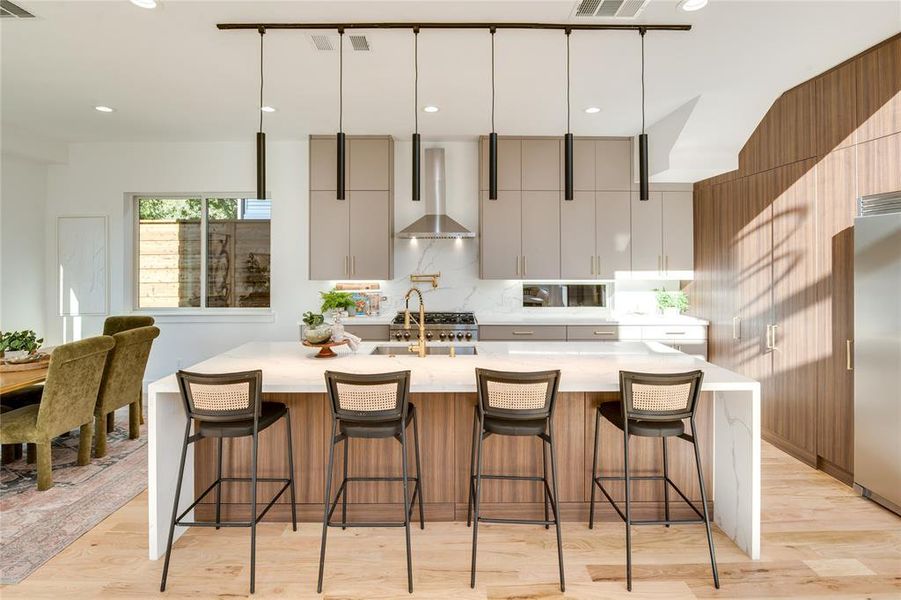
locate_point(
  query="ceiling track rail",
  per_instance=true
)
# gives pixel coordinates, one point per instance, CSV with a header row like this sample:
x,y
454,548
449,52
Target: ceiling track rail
x,y
452,25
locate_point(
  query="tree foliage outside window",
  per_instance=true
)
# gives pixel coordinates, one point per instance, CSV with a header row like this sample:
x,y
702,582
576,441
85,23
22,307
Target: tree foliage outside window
x,y
186,209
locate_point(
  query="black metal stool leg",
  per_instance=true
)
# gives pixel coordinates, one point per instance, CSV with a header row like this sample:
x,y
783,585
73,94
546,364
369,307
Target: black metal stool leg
x,y
665,482
472,467
344,484
218,482
327,502
403,443
181,473
291,468
476,499
418,470
557,519
594,465
694,442
253,512
545,482
628,511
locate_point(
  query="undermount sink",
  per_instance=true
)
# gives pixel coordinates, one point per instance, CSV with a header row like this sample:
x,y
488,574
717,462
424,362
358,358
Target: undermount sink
x,y
436,350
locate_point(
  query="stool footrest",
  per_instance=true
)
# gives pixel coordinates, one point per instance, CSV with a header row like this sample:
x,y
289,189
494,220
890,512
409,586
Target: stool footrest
x,y
516,521
667,481
179,520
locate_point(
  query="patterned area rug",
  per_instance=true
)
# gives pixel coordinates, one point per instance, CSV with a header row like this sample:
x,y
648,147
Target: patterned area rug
x,y
35,526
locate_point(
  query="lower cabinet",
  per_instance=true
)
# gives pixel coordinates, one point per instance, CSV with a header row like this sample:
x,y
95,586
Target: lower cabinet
x,y
368,333
690,339
522,333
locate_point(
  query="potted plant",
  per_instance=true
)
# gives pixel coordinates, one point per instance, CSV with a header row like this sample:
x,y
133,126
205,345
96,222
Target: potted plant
x,y
19,344
671,304
338,304
316,331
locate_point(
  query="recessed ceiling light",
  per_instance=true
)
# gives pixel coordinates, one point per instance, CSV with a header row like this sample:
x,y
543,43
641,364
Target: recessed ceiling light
x,y
267,108
592,110
144,3
105,109
692,5
431,109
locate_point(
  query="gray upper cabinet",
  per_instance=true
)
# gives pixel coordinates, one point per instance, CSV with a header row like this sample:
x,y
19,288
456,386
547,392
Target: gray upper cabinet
x,y
584,164
663,233
577,242
541,164
647,233
678,231
614,234
509,164
500,235
352,238
540,234
613,164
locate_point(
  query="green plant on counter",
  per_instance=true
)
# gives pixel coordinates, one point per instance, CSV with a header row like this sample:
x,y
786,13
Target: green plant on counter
x,y
27,340
312,319
667,299
335,300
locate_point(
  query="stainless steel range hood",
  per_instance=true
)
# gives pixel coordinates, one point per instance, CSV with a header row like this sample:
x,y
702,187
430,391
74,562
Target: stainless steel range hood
x,y
435,224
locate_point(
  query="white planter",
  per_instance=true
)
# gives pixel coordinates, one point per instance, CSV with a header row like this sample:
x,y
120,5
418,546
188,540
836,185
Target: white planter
x,y
671,311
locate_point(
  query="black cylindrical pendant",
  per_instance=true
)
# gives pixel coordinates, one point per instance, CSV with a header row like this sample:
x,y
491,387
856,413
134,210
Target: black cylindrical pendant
x,y
568,164
261,165
416,167
340,163
643,166
492,166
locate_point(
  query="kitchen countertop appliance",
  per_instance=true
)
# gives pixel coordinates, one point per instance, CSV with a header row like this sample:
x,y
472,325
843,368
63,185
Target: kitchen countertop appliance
x,y
439,327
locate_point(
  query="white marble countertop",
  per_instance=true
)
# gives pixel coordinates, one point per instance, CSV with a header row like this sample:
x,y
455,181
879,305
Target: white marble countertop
x,y
551,317
585,366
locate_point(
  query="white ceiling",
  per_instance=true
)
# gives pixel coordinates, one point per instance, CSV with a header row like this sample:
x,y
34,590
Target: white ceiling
x,y
172,76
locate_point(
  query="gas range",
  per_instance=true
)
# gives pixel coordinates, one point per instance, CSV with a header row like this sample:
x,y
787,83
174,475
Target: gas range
x,y
439,327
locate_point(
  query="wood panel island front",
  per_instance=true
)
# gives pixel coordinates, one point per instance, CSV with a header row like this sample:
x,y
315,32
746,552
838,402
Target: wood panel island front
x,y
444,391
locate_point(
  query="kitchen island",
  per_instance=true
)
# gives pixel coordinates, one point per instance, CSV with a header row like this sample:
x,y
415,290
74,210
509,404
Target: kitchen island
x,y
443,388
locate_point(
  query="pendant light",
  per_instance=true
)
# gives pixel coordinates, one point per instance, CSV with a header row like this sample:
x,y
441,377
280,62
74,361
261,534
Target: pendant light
x,y
568,138
492,137
261,137
415,181
340,137
643,137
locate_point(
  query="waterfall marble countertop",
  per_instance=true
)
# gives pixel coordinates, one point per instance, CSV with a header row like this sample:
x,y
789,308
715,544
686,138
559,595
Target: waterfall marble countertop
x,y
586,366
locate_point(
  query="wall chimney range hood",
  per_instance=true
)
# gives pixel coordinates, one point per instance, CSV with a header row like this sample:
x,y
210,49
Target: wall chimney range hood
x,y
435,224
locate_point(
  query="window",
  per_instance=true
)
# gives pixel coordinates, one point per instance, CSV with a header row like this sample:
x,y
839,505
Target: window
x,y
202,251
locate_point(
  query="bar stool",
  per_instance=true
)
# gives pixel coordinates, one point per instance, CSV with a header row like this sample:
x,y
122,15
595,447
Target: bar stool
x,y
229,405
371,406
653,405
519,404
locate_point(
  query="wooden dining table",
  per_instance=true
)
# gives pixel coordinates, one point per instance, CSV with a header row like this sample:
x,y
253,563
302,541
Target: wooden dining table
x,y
11,381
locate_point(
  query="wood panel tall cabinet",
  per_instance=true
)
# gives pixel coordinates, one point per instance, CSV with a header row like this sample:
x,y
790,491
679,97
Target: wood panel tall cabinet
x,y
774,249
352,238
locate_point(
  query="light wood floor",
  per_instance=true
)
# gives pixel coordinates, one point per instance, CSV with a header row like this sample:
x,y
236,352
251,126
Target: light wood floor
x,y
819,540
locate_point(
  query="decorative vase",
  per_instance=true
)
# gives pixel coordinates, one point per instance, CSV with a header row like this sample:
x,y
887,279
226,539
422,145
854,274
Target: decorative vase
x,y
319,334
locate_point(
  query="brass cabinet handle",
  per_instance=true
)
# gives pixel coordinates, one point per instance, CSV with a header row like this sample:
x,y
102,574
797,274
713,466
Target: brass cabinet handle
x,y
769,345
774,337
598,270
736,328
517,266
666,263
345,266
353,265
523,333
673,333
848,355
592,265
605,333
524,270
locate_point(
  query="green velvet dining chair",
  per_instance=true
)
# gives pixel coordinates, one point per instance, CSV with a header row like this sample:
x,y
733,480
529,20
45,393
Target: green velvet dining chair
x,y
117,324
67,403
123,381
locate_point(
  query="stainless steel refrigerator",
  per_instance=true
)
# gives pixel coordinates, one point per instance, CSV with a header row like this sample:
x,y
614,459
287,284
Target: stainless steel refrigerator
x,y
877,349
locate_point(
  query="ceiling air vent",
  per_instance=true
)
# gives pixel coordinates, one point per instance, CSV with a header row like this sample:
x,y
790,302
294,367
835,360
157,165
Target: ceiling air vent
x,y
322,42
359,42
609,9
13,11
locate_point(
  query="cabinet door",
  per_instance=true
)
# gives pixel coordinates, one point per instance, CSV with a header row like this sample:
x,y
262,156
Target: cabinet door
x,y
323,164
541,164
584,164
678,231
613,169
500,235
577,242
613,224
647,232
541,235
370,235
369,164
329,236
509,164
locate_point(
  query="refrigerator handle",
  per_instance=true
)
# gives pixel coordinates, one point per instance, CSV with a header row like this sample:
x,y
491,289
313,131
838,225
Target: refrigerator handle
x,y
848,355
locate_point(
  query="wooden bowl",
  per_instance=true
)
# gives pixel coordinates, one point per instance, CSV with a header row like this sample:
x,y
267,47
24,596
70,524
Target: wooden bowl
x,y
325,349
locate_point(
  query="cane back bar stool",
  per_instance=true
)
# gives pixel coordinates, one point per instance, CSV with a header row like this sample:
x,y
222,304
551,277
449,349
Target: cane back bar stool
x,y
371,406
229,405
653,405
519,404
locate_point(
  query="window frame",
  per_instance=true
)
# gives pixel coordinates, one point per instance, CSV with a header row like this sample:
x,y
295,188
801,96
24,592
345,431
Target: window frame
x,y
180,313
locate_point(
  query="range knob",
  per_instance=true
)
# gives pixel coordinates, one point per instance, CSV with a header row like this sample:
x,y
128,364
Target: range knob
x,y
428,335
398,335
459,335
406,335
468,335
442,335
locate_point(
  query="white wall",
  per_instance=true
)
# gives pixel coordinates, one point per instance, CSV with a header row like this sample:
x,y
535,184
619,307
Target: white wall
x,y
22,198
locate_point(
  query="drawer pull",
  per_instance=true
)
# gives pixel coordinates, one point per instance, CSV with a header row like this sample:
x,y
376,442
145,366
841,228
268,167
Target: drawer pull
x,y
848,355
736,328
523,333
674,333
605,333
